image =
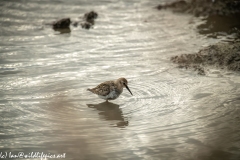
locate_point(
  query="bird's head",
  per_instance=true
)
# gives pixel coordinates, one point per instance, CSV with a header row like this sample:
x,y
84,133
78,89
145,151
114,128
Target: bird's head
x,y
124,83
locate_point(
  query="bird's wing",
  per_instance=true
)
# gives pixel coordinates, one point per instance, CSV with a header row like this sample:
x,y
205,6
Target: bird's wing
x,y
102,89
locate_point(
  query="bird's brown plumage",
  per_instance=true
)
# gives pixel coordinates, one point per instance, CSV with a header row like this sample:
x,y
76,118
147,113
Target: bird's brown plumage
x,y
103,89
110,90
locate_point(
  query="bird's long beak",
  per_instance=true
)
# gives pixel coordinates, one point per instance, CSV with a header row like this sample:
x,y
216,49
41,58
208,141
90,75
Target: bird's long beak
x,y
128,89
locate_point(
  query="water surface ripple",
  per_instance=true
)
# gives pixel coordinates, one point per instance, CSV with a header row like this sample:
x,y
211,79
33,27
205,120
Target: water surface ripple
x,y
174,113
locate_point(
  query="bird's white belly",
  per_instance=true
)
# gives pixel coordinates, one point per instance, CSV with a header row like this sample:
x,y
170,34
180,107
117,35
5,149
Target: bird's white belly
x,y
111,96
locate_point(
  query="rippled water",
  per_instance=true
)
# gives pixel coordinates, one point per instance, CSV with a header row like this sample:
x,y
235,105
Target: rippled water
x,y
174,114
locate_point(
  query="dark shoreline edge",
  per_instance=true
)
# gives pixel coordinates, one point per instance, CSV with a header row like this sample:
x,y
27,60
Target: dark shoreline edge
x,y
224,55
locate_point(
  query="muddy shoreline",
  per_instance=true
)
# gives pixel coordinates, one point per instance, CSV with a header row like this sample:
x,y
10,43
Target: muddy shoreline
x,y
221,16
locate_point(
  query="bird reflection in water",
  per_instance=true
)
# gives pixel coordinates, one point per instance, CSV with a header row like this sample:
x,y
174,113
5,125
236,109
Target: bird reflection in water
x,y
110,112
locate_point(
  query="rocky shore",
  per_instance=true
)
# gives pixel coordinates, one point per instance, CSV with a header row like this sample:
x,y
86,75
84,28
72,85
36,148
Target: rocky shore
x,y
63,25
220,16
221,55
204,7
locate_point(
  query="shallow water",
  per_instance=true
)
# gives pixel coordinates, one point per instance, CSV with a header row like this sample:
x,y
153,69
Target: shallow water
x,y
174,113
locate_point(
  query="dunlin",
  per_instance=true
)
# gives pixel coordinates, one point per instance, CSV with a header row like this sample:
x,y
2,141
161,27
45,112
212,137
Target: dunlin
x,y
110,90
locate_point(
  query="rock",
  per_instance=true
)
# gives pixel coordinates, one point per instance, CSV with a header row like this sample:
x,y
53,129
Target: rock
x,y
75,24
204,7
222,55
62,23
89,20
86,25
219,15
90,17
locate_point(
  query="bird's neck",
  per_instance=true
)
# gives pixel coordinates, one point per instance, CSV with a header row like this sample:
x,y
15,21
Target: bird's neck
x,y
119,86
